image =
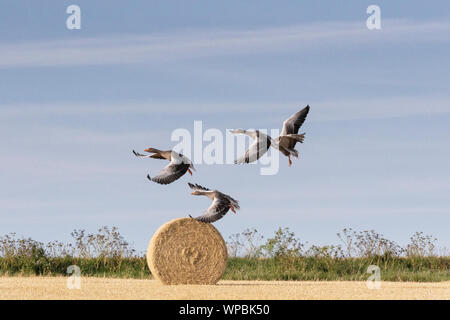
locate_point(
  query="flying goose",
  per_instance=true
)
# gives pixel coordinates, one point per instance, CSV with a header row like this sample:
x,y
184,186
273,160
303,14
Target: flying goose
x,y
221,203
257,149
285,143
177,167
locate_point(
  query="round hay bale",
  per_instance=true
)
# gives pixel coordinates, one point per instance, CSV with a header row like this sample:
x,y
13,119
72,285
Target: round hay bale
x,y
187,251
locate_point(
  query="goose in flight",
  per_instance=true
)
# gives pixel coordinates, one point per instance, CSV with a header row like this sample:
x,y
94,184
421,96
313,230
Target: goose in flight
x,y
177,167
221,203
257,149
285,143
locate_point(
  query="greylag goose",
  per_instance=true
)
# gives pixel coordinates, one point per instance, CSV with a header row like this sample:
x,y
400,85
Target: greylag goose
x,y
221,203
289,134
257,149
285,143
177,167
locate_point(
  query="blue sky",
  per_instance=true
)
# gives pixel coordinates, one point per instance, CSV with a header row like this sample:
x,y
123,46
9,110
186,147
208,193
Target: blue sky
x,y
74,103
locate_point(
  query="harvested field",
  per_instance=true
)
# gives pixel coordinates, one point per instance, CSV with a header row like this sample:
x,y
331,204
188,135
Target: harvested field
x,y
110,288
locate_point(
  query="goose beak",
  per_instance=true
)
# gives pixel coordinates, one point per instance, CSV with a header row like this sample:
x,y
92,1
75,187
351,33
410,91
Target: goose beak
x,y
190,172
147,150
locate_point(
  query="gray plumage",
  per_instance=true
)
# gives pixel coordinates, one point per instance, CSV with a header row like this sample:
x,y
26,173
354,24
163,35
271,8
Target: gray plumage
x,y
257,149
221,203
170,173
289,134
177,167
285,143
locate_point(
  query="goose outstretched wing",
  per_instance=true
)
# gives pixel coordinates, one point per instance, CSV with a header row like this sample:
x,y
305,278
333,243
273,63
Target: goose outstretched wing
x,y
170,173
197,187
291,125
216,211
139,155
219,207
256,150
154,156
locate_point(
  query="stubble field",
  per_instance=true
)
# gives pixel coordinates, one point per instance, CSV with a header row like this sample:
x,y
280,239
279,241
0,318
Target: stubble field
x,y
110,288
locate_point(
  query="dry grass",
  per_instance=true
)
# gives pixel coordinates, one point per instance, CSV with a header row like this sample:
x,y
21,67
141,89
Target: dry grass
x,y
104,288
186,251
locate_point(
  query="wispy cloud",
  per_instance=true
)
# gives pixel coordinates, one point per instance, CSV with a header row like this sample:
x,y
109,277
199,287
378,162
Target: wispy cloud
x,y
124,49
44,166
327,110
